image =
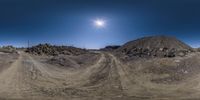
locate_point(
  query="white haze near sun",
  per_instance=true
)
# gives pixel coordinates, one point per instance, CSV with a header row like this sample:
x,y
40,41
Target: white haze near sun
x,y
99,23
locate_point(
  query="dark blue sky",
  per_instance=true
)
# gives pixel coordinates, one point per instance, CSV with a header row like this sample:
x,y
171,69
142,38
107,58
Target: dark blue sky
x,y
69,22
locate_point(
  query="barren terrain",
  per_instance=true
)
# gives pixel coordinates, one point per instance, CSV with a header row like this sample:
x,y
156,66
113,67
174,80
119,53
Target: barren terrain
x,y
31,77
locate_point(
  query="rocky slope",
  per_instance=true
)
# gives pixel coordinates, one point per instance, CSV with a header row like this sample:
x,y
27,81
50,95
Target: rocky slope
x,y
47,49
156,46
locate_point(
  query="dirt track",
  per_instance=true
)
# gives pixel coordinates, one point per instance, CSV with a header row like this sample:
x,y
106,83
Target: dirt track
x,y
28,78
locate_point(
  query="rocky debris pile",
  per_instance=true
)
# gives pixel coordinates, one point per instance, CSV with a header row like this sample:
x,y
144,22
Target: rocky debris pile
x,y
110,48
155,46
156,52
47,49
8,49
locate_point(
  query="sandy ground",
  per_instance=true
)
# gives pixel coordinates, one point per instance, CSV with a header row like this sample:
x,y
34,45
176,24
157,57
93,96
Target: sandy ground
x,y
27,78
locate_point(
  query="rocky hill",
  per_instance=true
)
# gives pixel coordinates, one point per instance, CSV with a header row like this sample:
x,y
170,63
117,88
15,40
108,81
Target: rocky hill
x,y
157,46
47,49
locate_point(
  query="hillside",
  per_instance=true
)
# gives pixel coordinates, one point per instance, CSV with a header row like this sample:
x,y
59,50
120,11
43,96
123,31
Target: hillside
x,y
47,49
157,46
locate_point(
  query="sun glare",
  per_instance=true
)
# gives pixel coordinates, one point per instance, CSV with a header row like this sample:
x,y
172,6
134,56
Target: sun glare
x,y
99,23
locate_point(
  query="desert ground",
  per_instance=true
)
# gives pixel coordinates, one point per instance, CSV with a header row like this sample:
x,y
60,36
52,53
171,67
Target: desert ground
x,y
28,77
98,75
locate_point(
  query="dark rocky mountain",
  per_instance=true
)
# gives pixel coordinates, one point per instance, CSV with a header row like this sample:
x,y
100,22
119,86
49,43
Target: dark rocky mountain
x,y
157,46
110,48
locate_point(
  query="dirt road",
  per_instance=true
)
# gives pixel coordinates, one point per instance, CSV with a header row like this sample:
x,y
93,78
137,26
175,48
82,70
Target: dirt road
x,y
29,78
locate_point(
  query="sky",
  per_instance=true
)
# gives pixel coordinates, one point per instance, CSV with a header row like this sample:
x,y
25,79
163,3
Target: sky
x,y
71,22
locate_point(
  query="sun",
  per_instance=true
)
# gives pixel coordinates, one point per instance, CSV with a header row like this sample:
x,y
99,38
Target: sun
x,y
99,23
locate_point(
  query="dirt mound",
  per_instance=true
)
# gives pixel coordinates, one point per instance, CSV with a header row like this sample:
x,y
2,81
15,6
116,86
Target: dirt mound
x,y
197,49
63,61
8,49
82,61
47,49
157,46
